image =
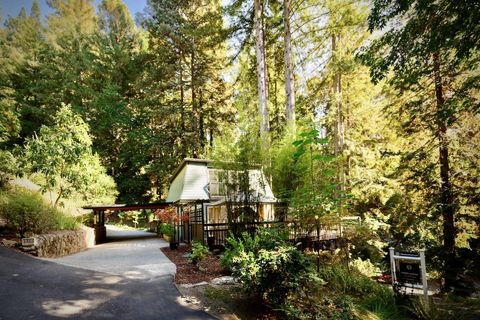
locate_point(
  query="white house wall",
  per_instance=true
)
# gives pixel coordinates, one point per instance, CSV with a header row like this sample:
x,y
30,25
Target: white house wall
x,y
176,186
191,183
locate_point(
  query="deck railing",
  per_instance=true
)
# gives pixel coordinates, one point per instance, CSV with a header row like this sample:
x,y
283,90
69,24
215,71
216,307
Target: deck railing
x,y
216,234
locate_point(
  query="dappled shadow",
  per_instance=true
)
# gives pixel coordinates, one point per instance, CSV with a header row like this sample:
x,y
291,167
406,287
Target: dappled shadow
x,y
75,307
44,290
130,238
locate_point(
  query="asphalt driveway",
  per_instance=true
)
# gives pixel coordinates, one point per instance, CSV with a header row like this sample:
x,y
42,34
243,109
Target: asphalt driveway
x,y
129,253
118,280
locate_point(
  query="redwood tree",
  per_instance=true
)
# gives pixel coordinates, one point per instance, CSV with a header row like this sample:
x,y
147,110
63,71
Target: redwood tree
x,y
430,49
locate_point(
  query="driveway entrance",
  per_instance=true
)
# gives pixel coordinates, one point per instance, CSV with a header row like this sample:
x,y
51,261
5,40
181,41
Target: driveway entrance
x,y
122,279
130,253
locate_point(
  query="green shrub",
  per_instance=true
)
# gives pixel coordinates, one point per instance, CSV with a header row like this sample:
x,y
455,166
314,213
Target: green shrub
x,y
26,212
8,167
88,219
199,252
365,267
284,277
166,229
344,295
268,267
267,239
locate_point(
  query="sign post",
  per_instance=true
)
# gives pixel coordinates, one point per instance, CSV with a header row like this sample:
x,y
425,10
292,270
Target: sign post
x,y
409,268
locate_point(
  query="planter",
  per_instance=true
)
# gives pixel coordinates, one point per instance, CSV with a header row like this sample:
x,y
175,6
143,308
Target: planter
x,y
173,245
210,241
167,238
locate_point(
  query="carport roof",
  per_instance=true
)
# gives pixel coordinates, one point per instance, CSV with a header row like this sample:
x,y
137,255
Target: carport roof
x,y
127,207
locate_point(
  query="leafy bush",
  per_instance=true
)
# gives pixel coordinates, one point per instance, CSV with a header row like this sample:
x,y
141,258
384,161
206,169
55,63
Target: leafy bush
x,y
366,267
8,167
25,211
199,252
166,229
267,266
284,277
62,153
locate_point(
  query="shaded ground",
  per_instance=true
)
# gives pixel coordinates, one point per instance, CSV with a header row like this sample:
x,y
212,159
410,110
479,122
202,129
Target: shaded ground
x,y
37,289
129,279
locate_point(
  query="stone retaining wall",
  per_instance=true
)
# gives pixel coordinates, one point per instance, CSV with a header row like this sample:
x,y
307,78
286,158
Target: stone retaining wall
x,y
61,243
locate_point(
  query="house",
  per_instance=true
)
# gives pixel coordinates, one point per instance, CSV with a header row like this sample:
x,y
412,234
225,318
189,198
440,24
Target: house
x,y
215,196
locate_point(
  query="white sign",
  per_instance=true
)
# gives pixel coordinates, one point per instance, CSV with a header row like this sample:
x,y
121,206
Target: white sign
x,y
409,269
28,242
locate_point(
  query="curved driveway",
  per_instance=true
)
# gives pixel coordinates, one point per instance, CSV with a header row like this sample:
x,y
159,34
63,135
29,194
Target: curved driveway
x,y
128,279
129,253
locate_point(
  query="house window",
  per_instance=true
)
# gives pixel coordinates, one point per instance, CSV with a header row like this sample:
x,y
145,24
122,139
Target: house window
x,y
216,187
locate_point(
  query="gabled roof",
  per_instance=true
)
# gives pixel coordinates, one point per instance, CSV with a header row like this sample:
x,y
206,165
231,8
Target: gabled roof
x,y
191,180
184,162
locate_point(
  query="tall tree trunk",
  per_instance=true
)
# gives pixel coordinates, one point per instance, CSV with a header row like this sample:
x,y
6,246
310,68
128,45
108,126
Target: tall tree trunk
x,y
201,122
338,129
211,137
276,109
196,147
289,80
182,110
446,195
261,72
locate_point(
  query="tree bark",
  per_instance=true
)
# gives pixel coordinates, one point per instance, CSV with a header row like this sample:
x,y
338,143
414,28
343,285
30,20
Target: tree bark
x,y
182,109
59,196
446,195
289,79
338,128
276,109
201,122
211,137
261,73
194,107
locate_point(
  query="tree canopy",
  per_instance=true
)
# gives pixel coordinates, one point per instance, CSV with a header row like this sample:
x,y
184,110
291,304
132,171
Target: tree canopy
x,y
352,108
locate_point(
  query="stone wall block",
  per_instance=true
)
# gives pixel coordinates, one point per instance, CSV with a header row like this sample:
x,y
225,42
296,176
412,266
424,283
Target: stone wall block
x,y
61,243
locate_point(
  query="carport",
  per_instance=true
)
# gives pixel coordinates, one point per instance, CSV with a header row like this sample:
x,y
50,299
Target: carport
x,y
100,210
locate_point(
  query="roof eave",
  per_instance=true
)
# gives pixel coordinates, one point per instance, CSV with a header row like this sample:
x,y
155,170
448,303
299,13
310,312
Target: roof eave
x,y
184,162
